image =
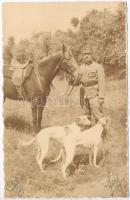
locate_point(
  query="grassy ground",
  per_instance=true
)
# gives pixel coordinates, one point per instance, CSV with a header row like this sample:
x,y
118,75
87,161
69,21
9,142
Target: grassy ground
x,y
22,175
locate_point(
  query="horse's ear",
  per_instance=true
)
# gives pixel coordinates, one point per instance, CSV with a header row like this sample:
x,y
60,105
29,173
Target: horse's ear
x,y
63,48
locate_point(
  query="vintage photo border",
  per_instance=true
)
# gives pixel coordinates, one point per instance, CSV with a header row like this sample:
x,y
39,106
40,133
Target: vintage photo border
x,y
1,83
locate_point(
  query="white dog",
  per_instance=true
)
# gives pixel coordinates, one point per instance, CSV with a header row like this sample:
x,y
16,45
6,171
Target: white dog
x,y
66,135
90,138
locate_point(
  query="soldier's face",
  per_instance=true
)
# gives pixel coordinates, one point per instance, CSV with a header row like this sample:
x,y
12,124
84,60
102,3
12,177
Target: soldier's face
x,y
87,58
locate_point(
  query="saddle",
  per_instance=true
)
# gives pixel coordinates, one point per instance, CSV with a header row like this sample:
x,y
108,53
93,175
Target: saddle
x,y
16,65
19,74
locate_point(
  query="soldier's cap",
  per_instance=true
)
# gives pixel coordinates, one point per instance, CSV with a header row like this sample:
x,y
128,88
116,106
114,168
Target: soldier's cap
x,y
86,50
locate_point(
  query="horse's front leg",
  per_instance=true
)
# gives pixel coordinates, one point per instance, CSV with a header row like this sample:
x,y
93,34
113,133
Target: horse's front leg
x,y
34,116
39,117
41,101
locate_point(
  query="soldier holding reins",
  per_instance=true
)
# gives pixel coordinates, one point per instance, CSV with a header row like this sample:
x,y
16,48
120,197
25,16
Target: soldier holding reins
x,y
92,91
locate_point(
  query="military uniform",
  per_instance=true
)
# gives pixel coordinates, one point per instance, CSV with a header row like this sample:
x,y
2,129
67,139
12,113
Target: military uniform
x,y
92,89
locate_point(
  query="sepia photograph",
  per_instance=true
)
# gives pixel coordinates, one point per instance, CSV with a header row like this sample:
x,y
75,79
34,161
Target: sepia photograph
x,y
65,99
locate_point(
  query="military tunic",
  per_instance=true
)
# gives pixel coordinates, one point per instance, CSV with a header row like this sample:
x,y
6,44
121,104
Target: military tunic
x,y
93,88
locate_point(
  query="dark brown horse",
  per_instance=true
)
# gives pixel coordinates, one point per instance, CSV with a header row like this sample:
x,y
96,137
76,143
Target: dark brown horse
x,y
36,87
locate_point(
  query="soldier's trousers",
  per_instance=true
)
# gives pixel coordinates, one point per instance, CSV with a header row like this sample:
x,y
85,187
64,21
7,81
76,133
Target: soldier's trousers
x,y
93,109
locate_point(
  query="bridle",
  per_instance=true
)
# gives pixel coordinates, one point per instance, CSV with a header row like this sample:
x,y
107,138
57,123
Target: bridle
x,y
63,61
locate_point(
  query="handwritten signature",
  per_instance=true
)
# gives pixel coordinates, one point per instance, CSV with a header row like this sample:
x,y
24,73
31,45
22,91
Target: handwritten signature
x,y
115,184
15,187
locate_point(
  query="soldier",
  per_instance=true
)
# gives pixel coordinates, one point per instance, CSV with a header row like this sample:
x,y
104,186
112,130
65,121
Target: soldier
x,y
92,90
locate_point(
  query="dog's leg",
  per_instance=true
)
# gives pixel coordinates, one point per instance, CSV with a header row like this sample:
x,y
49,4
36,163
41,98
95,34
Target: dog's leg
x,y
70,150
59,156
43,152
90,156
95,150
38,153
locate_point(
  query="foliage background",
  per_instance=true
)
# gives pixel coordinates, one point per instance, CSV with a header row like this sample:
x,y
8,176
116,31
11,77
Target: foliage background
x,y
104,31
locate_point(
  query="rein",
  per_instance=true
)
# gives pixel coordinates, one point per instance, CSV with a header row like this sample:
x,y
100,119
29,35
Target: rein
x,y
55,71
59,64
71,91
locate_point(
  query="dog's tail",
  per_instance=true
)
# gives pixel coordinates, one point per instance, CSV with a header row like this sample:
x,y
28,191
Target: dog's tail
x,y
58,157
27,143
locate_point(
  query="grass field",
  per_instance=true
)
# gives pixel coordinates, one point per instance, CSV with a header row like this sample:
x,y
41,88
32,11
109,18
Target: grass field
x,y
22,175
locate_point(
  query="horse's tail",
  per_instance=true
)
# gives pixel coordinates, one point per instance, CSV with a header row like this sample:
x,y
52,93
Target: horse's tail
x,y
27,143
58,157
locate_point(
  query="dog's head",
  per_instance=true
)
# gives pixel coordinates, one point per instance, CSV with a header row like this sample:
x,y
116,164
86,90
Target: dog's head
x,y
83,121
104,120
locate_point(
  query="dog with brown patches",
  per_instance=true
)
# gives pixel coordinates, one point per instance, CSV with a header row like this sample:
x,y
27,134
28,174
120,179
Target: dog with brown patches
x,y
63,134
90,138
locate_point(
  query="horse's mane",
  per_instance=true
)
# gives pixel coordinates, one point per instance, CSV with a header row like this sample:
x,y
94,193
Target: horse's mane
x,y
50,57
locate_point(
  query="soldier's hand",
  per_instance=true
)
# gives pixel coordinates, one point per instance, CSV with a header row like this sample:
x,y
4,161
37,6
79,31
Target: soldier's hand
x,y
101,101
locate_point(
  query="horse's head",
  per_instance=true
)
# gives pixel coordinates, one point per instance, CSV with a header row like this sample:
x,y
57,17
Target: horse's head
x,y
70,66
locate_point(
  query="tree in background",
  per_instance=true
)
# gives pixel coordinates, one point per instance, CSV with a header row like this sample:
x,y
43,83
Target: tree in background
x,y
75,22
11,43
8,50
103,30
40,44
22,50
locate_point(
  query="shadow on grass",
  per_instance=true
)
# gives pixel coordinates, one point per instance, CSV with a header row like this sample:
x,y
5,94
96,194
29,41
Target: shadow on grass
x,y
18,123
79,160
83,159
